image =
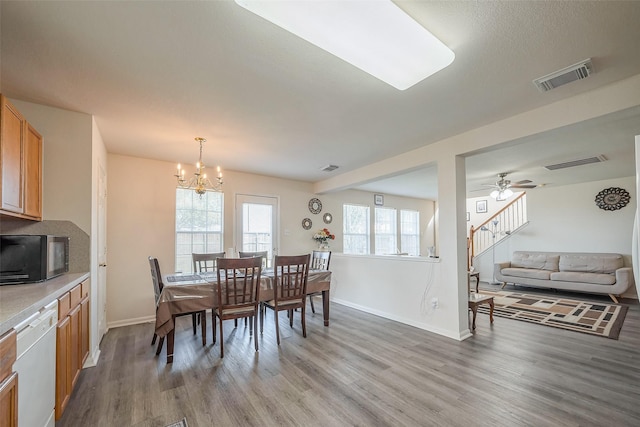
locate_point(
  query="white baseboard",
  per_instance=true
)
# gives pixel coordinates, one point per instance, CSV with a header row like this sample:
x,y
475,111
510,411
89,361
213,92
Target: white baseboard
x,y
463,335
92,360
129,322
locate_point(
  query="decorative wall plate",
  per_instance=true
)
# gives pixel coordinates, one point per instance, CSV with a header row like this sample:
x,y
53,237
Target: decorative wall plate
x,y
612,199
327,218
315,206
306,223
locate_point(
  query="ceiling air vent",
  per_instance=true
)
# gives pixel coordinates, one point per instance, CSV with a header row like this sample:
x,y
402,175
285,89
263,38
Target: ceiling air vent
x,y
329,168
578,71
579,162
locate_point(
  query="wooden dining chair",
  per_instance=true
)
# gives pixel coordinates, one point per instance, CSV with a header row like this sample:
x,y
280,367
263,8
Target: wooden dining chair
x,y
263,254
158,285
319,261
204,263
289,290
238,294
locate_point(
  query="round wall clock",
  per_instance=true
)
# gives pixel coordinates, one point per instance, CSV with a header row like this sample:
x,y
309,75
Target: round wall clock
x,y
306,223
315,206
612,199
327,218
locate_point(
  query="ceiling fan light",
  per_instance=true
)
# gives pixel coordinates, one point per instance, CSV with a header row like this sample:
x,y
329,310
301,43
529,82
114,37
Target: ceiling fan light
x,y
501,195
377,37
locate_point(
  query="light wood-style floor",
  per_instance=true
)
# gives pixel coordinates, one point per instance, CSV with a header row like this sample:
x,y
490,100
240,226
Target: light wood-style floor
x,y
364,370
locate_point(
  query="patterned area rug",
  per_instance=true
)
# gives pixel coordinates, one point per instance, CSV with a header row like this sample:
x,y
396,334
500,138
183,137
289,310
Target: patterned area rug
x,y
601,319
181,423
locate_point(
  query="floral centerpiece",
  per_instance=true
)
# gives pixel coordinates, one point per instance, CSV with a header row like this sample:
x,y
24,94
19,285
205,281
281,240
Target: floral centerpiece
x,y
322,237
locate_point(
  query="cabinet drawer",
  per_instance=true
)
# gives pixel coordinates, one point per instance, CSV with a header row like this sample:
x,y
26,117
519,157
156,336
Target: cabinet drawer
x,y
64,305
7,353
76,296
85,289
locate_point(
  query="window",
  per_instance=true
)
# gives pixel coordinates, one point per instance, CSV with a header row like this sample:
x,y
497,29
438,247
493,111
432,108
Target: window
x,y
386,226
257,224
410,232
199,227
355,229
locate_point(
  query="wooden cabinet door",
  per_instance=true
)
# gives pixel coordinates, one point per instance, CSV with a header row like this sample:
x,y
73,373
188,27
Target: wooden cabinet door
x,y
33,173
63,373
75,320
9,401
84,330
11,157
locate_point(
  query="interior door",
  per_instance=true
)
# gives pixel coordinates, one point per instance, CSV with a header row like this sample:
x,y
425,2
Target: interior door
x,y
257,224
102,252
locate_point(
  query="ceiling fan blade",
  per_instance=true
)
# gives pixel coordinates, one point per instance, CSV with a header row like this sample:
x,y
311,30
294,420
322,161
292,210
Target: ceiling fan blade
x,y
524,186
524,181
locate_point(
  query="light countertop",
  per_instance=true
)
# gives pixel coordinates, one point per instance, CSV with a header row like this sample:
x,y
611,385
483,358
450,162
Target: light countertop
x,y
18,302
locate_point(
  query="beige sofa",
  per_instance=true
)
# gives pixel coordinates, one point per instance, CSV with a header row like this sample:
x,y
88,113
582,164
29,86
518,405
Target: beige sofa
x,y
597,273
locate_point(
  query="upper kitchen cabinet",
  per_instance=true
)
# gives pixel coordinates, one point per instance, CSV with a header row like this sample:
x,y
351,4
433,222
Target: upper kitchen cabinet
x,y
20,165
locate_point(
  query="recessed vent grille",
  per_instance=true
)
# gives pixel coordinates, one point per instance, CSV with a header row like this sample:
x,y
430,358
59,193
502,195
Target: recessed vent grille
x,y
578,71
579,162
329,168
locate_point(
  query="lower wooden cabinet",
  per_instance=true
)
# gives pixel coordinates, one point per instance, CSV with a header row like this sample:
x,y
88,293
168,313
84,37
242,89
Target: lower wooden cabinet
x,y
63,379
72,342
9,401
8,381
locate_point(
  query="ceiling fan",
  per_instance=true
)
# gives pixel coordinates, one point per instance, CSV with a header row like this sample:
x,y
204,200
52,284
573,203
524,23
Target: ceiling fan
x,y
502,187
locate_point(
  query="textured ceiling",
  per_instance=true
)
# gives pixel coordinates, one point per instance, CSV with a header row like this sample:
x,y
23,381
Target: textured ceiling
x,y
157,74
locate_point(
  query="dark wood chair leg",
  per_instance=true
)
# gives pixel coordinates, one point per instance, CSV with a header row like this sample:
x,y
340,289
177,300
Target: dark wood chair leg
x,y
275,316
203,324
153,341
313,309
170,344
221,340
304,323
159,349
213,325
255,327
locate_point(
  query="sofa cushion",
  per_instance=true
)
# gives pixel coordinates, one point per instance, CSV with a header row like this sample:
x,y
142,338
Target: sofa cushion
x,y
535,260
591,263
595,278
529,273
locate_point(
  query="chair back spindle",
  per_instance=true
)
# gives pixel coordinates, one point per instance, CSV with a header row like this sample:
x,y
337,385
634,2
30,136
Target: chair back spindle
x,y
203,263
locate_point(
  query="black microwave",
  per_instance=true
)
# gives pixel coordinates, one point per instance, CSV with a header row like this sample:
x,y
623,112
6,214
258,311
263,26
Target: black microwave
x,y
32,258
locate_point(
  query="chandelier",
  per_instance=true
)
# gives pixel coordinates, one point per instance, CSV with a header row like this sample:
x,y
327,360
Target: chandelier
x,y
199,182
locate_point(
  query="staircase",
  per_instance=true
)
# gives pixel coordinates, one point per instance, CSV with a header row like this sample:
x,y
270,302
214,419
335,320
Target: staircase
x,y
500,225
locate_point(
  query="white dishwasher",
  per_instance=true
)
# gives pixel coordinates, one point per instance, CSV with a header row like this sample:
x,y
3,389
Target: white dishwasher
x,y
36,368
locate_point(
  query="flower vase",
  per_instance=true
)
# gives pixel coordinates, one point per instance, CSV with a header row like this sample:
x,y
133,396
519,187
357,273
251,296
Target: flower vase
x,y
323,246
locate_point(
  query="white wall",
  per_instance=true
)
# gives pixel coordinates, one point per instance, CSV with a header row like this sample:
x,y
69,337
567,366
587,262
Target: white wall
x,y
141,223
397,288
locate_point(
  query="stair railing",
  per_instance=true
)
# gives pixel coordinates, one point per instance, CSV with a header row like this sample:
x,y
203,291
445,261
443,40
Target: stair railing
x,y
509,218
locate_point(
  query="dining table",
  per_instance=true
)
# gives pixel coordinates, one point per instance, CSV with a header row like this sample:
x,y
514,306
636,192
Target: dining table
x,y
189,292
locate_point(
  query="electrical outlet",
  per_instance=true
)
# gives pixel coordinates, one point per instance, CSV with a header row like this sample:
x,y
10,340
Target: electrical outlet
x,y
434,302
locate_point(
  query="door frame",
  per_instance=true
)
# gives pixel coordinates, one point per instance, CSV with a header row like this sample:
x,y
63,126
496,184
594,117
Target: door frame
x,y
241,198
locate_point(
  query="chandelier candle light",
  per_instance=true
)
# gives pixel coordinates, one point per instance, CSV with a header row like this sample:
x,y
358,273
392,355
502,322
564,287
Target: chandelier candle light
x,y
199,182
322,236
